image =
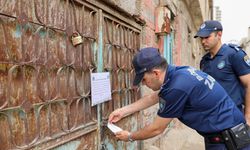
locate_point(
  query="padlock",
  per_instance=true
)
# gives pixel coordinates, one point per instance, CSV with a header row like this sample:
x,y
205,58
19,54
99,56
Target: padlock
x,y
76,39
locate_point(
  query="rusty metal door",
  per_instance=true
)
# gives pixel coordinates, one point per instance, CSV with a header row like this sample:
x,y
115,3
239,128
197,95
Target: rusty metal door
x,y
120,43
45,100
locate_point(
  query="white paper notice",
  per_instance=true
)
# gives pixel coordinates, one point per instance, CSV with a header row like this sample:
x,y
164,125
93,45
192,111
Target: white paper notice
x,y
113,128
100,88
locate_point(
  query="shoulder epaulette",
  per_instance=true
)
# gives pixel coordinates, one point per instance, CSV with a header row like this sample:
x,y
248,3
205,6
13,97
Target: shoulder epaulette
x,y
234,46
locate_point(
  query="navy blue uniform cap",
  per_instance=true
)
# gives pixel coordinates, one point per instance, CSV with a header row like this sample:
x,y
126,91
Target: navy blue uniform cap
x,y
208,27
145,60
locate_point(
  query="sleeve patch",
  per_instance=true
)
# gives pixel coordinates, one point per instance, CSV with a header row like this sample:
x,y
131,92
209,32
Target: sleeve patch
x,y
162,105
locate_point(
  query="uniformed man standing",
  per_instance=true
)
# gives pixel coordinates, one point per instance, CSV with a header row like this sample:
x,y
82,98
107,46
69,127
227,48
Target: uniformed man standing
x,y
190,95
227,63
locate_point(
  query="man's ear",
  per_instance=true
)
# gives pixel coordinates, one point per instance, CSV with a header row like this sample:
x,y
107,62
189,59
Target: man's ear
x,y
219,33
157,72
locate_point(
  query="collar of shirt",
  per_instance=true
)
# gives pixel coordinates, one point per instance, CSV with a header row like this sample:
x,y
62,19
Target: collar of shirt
x,y
219,53
169,73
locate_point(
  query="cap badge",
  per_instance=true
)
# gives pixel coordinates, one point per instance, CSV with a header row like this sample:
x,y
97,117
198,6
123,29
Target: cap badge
x,y
221,64
203,26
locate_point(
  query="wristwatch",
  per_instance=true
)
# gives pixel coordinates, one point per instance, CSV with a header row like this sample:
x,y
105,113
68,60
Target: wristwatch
x,y
129,137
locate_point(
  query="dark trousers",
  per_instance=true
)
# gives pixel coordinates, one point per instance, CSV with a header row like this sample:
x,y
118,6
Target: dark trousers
x,y
237,136
221,147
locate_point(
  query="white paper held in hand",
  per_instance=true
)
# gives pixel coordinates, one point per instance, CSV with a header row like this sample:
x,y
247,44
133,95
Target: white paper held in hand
x,y
113,128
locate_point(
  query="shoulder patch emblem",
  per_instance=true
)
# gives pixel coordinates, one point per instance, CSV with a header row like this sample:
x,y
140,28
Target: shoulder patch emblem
x,y
221,64
162,104
247,60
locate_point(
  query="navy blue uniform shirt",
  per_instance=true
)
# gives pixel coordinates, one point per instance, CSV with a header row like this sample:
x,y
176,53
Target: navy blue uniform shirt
x,y
197,100
226,66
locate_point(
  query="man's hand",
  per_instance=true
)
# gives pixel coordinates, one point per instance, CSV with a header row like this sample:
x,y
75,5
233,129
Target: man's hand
x,y
122,135
116,115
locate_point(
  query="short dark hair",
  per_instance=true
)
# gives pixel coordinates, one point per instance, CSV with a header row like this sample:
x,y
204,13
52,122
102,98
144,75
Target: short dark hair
x,y
162,66
216,32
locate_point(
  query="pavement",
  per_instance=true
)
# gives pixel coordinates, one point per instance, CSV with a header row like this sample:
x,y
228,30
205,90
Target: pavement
x,y
178,137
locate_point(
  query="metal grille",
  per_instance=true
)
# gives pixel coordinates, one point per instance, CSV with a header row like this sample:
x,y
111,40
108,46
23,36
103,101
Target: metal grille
x,y
120,44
